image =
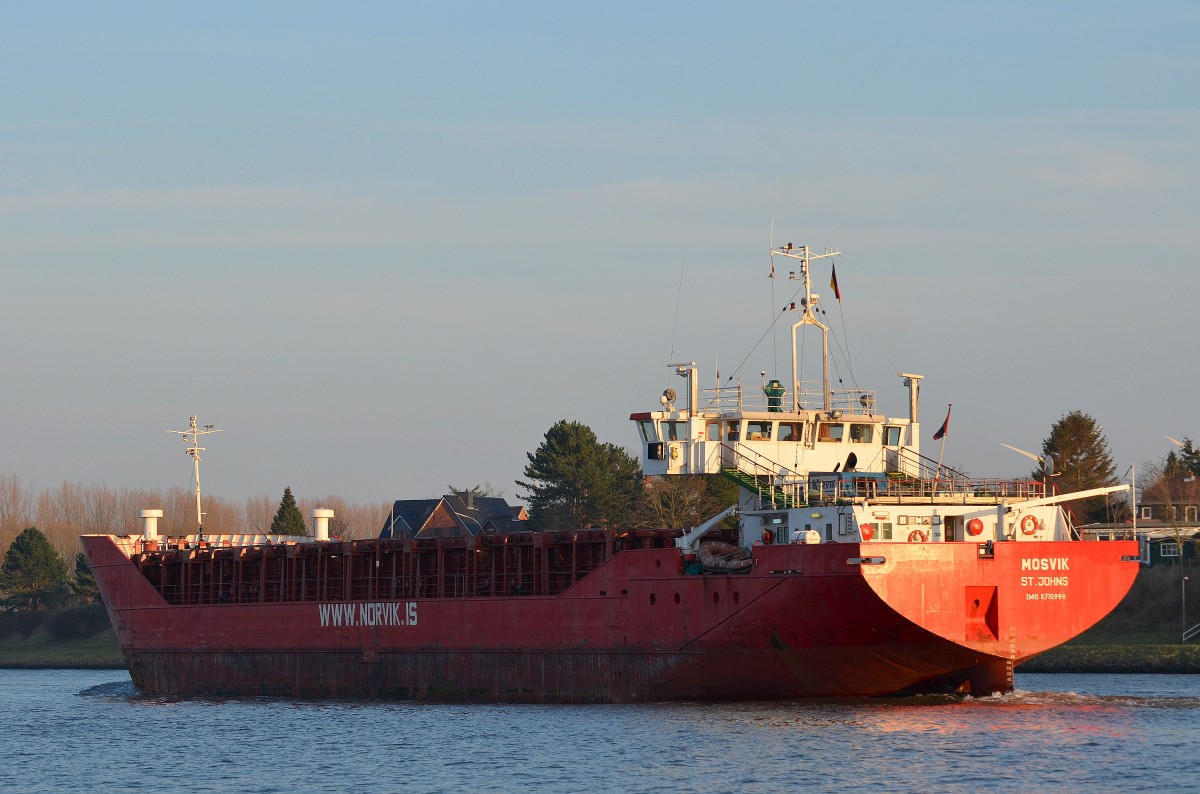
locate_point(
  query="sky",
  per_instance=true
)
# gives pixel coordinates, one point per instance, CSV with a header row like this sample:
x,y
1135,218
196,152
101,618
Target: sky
x,y
385,246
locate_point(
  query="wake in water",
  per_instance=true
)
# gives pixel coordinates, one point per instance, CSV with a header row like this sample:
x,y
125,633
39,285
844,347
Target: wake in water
x,y
1021,697
114,690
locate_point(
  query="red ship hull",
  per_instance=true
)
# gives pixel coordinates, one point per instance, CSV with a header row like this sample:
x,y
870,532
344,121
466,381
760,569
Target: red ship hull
x,y
830,620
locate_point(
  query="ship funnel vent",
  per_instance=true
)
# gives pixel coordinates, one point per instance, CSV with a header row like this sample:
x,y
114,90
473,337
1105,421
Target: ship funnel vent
x,y
150,524
320,517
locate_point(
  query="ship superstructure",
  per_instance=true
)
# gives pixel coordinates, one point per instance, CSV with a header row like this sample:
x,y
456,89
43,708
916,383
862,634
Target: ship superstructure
x,y
820,464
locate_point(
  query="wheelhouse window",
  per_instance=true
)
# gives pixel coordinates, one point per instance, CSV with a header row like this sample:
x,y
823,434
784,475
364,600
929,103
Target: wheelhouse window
x,y
789,431
758,431
891,436
733,431
713,431
861,434
828,431
649,431
674,431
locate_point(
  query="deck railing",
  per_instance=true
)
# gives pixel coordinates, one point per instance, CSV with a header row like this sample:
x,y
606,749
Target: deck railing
x,y
740,397
915,477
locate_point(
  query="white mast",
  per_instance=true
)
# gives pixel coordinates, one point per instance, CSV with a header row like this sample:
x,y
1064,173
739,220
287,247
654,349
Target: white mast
x,y
191,437
808,306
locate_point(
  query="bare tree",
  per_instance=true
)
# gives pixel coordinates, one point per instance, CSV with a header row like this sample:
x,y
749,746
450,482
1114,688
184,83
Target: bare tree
x,y
17,506
101,510
680,502
258,512
65,512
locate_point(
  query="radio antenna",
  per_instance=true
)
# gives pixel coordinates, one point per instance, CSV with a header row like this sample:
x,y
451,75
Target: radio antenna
x,y
191,437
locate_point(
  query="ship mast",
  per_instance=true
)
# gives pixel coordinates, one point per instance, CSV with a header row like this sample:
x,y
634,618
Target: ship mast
x,y
191,437
808,309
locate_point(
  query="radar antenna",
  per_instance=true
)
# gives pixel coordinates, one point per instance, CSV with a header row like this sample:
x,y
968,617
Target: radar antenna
x,y
191,437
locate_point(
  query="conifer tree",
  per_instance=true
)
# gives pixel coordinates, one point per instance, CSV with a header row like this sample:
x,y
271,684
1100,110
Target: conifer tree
x,y
33,575
1189,457
288,519
84,585
1081,458
576,481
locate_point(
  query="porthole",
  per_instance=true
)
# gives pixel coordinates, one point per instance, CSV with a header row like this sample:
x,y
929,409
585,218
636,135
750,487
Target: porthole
x,y
677,598
716,598
652,599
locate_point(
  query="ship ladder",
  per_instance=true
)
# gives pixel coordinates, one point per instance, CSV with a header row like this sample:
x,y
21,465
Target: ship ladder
x,y
761,485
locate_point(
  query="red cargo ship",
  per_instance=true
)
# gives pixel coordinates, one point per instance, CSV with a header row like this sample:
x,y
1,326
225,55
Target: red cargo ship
x,y
858,568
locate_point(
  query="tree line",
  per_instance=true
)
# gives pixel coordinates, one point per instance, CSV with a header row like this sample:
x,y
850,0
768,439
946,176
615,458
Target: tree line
x,y
65,512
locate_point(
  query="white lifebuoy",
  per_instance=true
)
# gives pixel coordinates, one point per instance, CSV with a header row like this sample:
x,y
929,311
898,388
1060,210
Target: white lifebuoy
x,y
974,526
917,536
1030,525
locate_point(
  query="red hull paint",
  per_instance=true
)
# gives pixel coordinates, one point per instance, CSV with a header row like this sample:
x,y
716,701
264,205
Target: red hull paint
x,y
808,621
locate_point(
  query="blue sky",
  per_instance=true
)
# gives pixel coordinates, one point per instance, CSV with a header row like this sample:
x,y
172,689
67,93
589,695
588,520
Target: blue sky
x,y
385,246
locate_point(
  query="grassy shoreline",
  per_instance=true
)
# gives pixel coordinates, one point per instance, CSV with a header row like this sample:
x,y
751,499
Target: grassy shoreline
x,y
1132,658
40,651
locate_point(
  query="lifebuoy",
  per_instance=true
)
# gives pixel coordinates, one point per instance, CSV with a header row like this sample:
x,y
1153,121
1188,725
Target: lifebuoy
x,y
917,536
974,526
1030,525
867,531
768,536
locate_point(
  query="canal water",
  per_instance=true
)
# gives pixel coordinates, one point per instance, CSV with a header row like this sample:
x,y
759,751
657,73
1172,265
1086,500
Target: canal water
x,y
70,730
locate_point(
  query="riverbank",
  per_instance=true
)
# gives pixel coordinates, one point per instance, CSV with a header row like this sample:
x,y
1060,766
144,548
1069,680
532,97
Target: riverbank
x,y
1081,658
41,651
77,638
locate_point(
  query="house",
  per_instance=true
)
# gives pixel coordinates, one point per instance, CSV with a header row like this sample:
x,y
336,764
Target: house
x,y
457,514
1171,499
1162,546
1158,542
1161,511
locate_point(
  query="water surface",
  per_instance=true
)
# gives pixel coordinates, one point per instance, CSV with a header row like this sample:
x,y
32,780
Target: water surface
x,y
73,729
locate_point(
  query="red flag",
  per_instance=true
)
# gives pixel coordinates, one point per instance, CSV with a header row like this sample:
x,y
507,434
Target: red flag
x,y
837,293
940,434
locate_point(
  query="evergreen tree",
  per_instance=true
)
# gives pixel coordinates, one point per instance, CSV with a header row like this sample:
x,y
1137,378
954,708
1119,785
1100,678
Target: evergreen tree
x,y
33,575
1189,458
1081,458
576,481
84,585
288,519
